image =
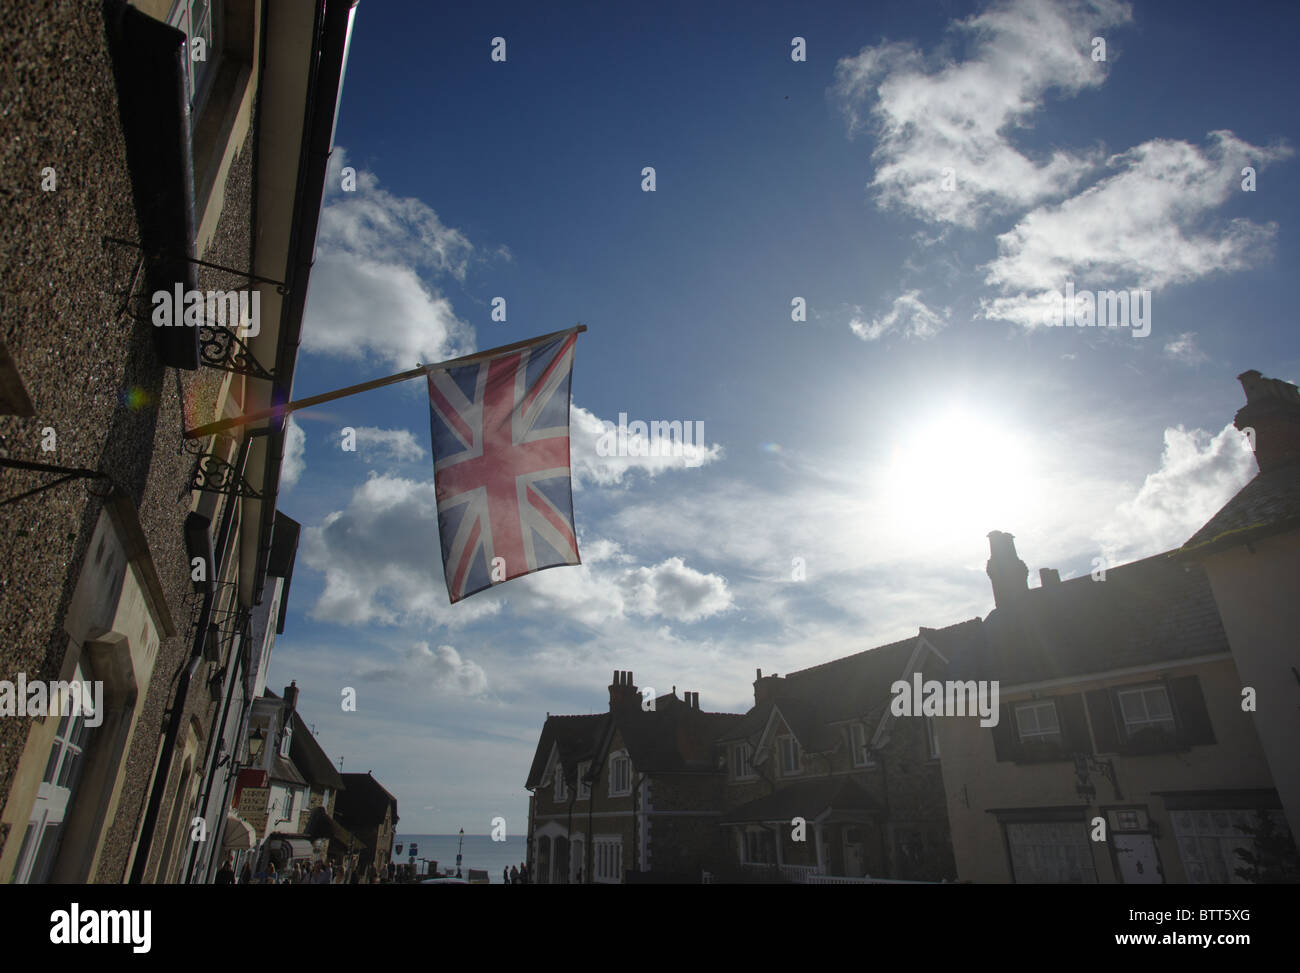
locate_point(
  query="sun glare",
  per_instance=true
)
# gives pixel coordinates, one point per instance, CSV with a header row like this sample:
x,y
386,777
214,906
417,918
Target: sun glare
x,y
957,477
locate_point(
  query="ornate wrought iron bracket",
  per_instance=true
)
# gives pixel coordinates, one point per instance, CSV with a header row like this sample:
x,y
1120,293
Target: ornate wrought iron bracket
x,y
214,475
222,348
218,347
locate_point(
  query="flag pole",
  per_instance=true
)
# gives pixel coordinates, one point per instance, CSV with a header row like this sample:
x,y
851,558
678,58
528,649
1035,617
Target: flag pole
x,y
282,410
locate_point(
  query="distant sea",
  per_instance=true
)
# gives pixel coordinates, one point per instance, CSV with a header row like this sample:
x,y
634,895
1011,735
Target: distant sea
x,y
480,851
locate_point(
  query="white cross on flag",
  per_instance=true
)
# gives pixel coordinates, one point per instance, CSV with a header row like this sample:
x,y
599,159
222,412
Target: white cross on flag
x,y
501,464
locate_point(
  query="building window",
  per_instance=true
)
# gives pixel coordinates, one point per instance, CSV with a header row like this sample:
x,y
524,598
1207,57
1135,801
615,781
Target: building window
x,y
1050,851
1038,722
758,847
742,763
858,743
54,795
561,791
620,776
791,758
1208,842
200,21
931,738
608,859
1146,708
584,786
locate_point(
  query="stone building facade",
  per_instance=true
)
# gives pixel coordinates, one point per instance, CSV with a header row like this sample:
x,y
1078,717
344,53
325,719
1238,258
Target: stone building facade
x,y
133,561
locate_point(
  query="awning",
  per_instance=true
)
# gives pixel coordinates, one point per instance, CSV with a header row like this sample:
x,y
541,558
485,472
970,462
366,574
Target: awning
x,y
288,848
239,834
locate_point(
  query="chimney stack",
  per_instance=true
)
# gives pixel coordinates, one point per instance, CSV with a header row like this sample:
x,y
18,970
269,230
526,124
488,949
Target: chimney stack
x,y
621,690
1048,577
1009,574
291,696
1272,409
765,687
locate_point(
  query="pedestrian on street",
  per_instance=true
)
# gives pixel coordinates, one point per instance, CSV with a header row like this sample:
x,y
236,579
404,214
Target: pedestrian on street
x,y
226,873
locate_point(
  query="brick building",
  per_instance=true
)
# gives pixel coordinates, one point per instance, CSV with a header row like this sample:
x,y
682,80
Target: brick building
x,y
633,794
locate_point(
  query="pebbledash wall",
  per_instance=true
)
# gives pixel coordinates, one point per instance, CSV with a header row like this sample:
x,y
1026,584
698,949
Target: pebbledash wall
x,y
71,589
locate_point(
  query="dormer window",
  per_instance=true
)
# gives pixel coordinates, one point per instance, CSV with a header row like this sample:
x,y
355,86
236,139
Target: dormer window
x,y
742,764
561,790
584,786
791,757
858,743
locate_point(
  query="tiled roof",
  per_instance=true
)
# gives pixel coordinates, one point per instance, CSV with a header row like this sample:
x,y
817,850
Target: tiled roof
x,y
578,737
282,769
310,759
363,802
806,799
844,689
1156,610
1268,504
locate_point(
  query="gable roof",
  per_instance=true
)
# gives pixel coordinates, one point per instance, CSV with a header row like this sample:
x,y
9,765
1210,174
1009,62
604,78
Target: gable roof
x,y
808,700
363,801
310,759
1154,610
576,737
1268,504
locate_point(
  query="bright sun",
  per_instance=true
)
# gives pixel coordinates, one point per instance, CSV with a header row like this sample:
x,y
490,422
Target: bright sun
x,y
956,478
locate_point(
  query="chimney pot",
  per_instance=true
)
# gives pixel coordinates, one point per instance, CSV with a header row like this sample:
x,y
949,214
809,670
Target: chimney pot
x,y
1049,576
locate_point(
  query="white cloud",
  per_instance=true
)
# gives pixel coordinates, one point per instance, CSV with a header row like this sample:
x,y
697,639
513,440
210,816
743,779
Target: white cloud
x,y
589,466
908,314
674,591
1198,474
368,298
1145,226
381,559
441,669
1185,349
396,444
295,453
958,115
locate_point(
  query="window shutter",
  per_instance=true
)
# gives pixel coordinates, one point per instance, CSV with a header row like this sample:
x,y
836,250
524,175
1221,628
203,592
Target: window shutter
x,y
1074,725
1006,738
1105,729
1189,710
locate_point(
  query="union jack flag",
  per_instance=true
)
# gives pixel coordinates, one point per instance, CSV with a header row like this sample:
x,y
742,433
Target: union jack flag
x,y
501,465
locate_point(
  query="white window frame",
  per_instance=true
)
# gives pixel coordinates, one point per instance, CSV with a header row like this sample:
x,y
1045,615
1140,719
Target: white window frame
x,y
858,741
1053,845
742,762
584,786
1036,733
931,738
63,769
561,789
616,761
1147,721
788,745
752,838
607,859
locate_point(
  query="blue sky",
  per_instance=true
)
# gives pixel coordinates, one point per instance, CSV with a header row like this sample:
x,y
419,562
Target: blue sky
x,y
927,180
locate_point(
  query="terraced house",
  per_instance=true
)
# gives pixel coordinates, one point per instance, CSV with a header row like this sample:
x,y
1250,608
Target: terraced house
x,y
1123,752
825,784
185,153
